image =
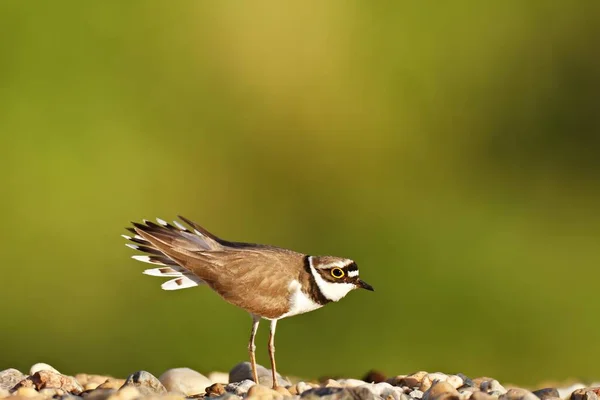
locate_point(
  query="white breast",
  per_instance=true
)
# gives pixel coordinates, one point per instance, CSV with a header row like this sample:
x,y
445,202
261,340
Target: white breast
x,y
300,303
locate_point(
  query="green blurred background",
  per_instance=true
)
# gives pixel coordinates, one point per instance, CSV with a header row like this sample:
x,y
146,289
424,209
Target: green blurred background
x,y
452,150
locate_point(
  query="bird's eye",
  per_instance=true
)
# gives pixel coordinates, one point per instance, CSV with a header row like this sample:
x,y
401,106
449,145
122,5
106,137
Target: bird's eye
x,y
337,273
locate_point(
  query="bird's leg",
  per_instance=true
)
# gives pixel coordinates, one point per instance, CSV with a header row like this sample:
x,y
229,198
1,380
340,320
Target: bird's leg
x,y
252,347
272,351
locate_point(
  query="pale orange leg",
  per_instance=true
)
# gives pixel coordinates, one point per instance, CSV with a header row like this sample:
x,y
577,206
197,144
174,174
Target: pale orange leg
x,y
272,351
252,347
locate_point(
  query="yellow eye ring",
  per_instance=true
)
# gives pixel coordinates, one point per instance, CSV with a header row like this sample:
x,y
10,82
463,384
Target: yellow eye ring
x,y
337,273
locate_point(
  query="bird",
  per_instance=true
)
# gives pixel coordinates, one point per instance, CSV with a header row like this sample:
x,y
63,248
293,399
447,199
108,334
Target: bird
x,y
268,282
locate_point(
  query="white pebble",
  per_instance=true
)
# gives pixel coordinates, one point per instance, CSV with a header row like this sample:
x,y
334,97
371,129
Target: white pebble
x,y
41,367
437,376
185,381
351,382
303,387
455,380
126,393
416,394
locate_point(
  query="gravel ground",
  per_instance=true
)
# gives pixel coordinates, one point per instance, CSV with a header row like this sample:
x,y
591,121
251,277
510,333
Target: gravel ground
x,y
45,382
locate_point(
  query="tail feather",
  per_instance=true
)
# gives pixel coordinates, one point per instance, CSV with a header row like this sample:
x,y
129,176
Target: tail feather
x,y
176,236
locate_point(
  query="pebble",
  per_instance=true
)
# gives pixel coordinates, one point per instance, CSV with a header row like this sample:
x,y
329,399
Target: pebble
x,y
441,390
478,395
216,389
240,388
518,394
146,383
302,387
416,394
546,393
243,371
127,393
98,394
455,380
263,392
588,393
4,393
466,380
332,383
10,377
351,382
111,383
185,381
42,367
51,392
47,379
491,385
26,392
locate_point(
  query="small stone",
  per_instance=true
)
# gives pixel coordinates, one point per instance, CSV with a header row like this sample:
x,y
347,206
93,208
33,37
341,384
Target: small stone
x,y
51,392
146,383
243,371
112,383
382,389
25,391
228,396
416,394
588,393
263,392
216,389
85,379
302,387
47,379
127,393
395,380
240,388
90,386
324,393
455,380
42,367
98,394
221,377
441,390
185,381
374,376
491,385
546,393
518,394
332,383
479,395
10,377
4,393
466,380
68,396
350,383
282,390
412,380
437,376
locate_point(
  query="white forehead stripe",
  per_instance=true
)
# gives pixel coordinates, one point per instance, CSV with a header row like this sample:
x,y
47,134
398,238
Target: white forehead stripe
x,y
352,274
333,291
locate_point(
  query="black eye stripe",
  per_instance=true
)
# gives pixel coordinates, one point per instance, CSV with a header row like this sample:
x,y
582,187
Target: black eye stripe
x,y
352,267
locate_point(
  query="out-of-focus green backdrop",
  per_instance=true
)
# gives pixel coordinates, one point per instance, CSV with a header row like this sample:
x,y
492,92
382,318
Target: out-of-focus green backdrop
x,y
452,150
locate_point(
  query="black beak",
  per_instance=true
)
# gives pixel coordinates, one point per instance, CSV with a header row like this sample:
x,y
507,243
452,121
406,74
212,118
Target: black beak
x,y
364,285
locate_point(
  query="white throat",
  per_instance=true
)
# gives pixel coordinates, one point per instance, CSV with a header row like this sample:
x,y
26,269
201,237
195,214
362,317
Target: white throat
x,y
332,291
300,303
